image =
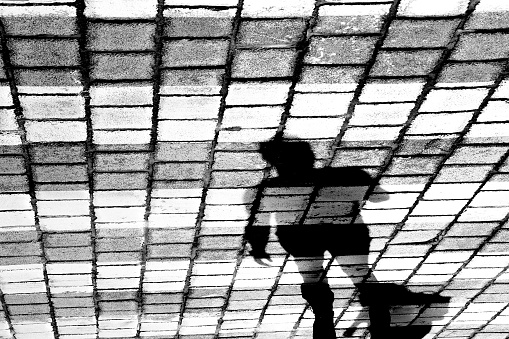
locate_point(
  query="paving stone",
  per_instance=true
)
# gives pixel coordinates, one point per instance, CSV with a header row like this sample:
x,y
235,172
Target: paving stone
x,y
39,20
340,50
440,100
270,32
120,180
353,157
252,117
112,162
199,52
185,151
55,153
478,133
69,253
283,9
183,22
329,78
420,33
391,90
191,81
430,144
481,46
476,155
439,123
432,8
474,73
253,93
351,19
263,63
179,171
56,107
120,94
55,131
489,15
463,173
108,66
192,107
111,36
176,130
236,179
120,9
234,160
60,173
48,52
12,165
36,81
494,111
380,114
395,63
168,250
413,165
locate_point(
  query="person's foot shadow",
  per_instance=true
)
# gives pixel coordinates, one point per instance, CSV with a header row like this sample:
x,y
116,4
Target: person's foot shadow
x,y
380,297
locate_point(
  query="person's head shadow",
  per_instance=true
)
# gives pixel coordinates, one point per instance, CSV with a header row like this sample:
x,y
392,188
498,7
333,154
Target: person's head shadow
x,y
381,297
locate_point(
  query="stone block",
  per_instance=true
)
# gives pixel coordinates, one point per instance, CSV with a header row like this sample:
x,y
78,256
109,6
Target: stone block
x,y
476,155
120,180
169,251
189,107
481,46
138,140
351,19
198,22
57,153
494,111
405,63
63,208
353,157
191,81
182,151
257,93
67,239
252,117
340,50
237,160
60,173
121,9
52,107
109,66
391,90
121,117
12,165
443,100
488,133
489,15
69,253
39,20
313,128
236,179
329,78
13,183
263,63
413,165
47,81
199,52
286,32
281,9
111,36
380,114
162,236
112,162
44,52
455,173
180,130
55,131
427,144
179,171
425,8
420,33
120,94
470,73
439,123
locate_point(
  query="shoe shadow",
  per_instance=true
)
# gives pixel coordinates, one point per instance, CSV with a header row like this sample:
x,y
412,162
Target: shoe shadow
x,y
380,298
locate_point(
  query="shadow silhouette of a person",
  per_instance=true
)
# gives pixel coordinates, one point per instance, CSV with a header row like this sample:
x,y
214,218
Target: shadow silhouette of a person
x,y
332,224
